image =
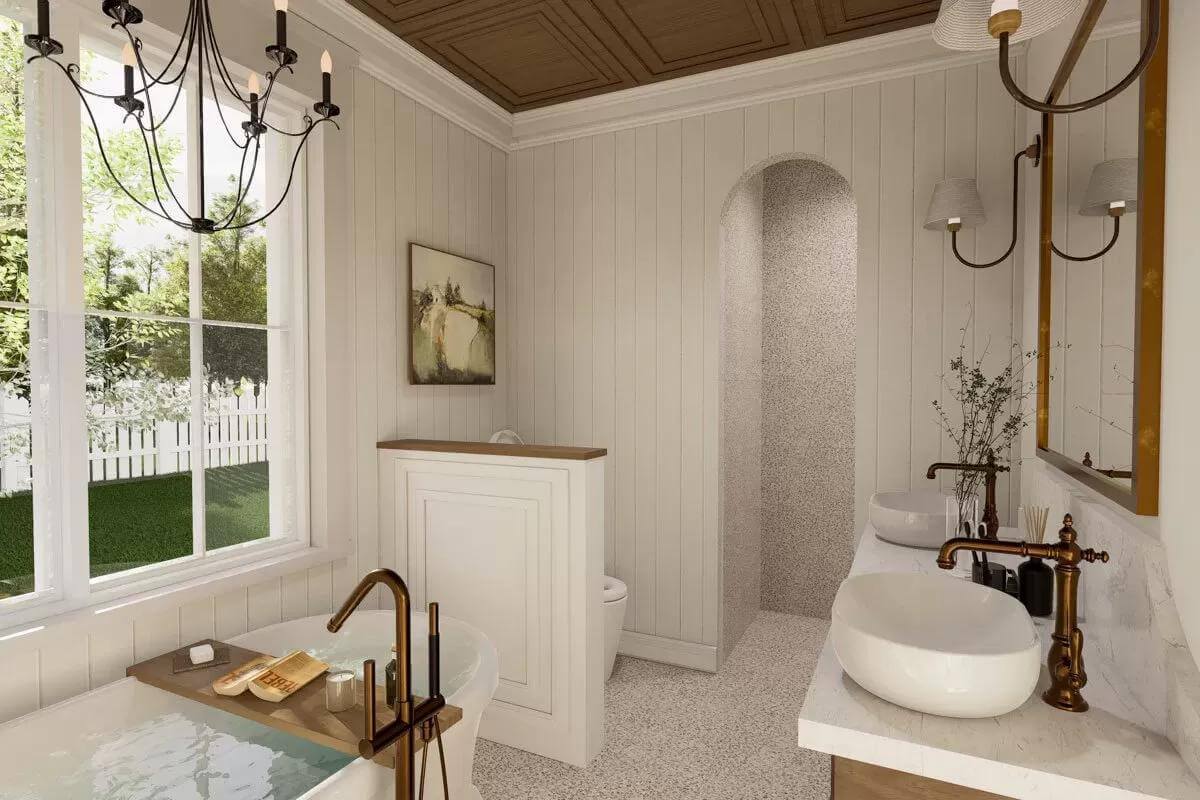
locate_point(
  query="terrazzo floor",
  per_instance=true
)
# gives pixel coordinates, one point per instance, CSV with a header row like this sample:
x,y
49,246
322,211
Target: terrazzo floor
x,y
674,733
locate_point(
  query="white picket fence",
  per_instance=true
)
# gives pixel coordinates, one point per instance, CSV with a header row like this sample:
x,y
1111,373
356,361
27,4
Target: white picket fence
x,y
133,449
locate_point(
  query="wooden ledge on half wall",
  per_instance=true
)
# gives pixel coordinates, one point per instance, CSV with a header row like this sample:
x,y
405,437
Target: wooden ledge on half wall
x,y
488,449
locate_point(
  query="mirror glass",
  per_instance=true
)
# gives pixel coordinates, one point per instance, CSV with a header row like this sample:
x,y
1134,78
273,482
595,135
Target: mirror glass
x,y
1093,303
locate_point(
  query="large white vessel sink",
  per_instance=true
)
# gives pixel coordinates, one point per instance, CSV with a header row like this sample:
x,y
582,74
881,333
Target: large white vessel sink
x,y
936,644
913,519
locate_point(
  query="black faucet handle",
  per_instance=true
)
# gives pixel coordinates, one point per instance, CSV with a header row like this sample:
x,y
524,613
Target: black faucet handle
x,y
1092,556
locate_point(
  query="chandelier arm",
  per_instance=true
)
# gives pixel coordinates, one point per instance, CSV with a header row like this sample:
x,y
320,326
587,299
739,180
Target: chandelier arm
x,y
241,144
112,173
161,77
243,187
1152,13
156,156
1111,242
291,179
222,70
153,158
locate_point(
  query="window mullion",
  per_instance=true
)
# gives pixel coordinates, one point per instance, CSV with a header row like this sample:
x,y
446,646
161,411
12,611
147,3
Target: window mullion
x,y
198,429
56,232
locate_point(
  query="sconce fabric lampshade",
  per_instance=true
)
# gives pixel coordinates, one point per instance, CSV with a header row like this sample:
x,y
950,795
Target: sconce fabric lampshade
x,y
963,24
1111,181
955,197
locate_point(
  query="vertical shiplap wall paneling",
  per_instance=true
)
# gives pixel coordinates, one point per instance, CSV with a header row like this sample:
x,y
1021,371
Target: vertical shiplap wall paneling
x,y
958,282
691,412
668,372
619,257
645,373
724,157
582,292
866,138
407,402
625,343
423,196
603,326
545,220
994,333
929,166
365,520
895,281
564,287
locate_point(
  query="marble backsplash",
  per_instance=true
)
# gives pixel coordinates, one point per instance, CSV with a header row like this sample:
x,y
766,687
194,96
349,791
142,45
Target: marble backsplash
x,y
1133,639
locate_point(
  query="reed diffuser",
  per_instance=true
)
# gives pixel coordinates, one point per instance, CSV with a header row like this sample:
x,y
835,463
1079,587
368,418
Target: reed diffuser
x,y
1036,578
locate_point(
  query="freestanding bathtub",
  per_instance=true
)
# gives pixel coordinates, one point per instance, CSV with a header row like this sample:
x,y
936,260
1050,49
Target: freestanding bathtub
x,y
131,741
470,674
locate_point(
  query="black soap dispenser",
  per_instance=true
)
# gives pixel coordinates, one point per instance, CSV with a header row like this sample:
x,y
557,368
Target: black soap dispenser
x,y
1036,577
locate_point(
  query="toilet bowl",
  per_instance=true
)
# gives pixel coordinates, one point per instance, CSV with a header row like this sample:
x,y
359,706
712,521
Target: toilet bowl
x,y
616,594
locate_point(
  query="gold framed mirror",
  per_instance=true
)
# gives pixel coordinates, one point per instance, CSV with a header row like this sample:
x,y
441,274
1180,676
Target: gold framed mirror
x,y
1099,369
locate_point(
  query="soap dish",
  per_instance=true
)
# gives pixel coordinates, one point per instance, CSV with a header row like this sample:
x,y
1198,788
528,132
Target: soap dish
x,y
182,661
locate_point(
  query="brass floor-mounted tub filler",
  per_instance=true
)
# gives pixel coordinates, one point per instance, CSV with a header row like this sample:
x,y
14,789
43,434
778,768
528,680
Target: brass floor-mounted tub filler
x,y
1065,660
423,718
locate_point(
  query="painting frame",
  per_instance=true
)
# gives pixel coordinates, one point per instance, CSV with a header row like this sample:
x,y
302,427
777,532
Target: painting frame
x,y
443,349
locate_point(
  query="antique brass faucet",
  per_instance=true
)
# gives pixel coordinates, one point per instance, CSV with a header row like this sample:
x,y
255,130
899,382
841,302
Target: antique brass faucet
x,y
1065,660
991,518
408,719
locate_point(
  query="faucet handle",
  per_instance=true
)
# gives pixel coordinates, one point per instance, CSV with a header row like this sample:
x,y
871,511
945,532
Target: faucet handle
x,y
1092,556
369,715
1076,675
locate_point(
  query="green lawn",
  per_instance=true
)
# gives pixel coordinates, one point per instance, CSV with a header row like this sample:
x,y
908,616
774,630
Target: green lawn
x,y
143,521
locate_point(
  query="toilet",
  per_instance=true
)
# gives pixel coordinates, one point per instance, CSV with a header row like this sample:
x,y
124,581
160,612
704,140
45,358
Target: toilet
x,y
616,594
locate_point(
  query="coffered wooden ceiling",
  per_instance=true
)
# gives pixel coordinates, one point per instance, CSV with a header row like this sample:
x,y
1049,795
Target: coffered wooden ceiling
x,y
529,53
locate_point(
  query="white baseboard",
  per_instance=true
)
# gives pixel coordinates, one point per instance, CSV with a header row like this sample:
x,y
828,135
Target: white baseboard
x,y
668,651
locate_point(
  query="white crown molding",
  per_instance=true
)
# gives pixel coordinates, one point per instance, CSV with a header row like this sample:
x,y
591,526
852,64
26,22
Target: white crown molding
x,y
892,55
389,59
822,69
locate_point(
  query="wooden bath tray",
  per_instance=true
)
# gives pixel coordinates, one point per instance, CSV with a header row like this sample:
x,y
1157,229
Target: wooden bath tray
x,y
303,714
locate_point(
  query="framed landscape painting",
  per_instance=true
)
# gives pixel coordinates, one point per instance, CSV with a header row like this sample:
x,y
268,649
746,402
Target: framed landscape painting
x,y
452,337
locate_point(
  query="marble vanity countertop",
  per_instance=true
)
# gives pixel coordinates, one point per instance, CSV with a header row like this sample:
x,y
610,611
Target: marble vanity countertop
x,y
1033,752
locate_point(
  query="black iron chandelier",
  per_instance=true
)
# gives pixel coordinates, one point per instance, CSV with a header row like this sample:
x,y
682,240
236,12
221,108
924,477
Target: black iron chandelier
x,y
198,55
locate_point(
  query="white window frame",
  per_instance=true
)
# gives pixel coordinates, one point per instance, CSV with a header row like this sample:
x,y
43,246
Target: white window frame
x,y
65,587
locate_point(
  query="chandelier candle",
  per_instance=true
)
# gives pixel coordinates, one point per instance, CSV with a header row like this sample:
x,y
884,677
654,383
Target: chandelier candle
x,y
253,88
43,29
281,24
326,77
129,60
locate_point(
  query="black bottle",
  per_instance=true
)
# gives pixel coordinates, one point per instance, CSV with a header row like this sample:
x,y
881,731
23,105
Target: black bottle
x,y
389,676
1037,587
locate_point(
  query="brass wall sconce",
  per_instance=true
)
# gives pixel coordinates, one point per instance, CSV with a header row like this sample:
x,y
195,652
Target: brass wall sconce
x,y
975,24
956,204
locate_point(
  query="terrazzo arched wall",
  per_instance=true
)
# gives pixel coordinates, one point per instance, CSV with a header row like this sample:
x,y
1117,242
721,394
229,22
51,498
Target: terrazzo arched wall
x,y
789,258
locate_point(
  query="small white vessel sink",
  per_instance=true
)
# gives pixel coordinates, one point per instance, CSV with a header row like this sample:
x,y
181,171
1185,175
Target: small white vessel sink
x,y
936,644
913,519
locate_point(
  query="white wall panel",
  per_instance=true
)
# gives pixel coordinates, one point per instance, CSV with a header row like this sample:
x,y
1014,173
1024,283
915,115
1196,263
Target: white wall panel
x,y
651,207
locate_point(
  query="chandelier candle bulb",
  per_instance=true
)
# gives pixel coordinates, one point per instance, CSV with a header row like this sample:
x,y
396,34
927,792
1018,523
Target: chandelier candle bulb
x,y
129,60
281,7
43,19
326,77
253,88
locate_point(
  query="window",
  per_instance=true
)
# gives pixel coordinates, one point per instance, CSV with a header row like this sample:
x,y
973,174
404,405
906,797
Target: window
x,y
155,432
18,361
